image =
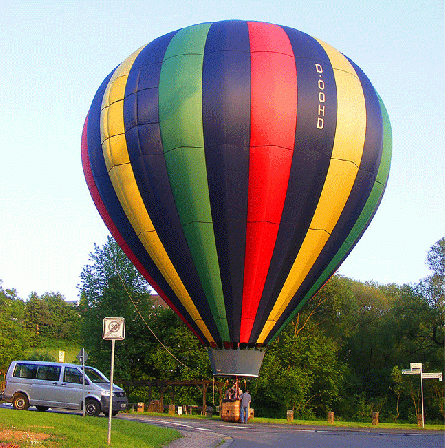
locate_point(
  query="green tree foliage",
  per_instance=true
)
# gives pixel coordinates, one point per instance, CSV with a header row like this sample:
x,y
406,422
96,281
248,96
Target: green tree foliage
x,y
111,286
371,330
180,357
433,290
157,346
14,338
49,316
344,351
28,324
107,284
394,330
301,371
186,358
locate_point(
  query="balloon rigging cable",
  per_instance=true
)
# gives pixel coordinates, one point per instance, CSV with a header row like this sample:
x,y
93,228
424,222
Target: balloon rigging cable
x,y
143,319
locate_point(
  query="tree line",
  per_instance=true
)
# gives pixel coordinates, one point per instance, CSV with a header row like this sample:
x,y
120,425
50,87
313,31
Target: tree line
x,y
25,324
344,352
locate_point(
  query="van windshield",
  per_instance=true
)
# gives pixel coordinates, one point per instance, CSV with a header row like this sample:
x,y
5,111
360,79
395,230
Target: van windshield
x,y
95,376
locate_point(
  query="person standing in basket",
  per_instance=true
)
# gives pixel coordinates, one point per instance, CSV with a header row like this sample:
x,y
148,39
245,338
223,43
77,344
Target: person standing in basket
x,y
244,411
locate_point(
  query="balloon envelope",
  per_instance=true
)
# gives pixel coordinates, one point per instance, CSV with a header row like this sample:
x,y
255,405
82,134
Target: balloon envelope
x,y
237,164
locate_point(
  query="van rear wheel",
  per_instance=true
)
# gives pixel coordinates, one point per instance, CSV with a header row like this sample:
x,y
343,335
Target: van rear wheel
x,y
92,407
20,402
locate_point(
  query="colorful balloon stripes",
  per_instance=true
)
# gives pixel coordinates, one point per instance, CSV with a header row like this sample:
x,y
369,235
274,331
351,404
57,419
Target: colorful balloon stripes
x,y
237,164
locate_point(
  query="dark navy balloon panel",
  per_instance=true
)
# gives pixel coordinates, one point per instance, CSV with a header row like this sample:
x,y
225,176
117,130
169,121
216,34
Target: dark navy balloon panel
x,y
237,164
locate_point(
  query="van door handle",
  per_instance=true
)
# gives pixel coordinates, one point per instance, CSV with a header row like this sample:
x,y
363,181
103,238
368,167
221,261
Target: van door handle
x,y
55,383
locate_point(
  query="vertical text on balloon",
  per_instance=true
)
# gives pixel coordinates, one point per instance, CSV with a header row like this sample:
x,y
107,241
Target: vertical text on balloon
x,y
321,97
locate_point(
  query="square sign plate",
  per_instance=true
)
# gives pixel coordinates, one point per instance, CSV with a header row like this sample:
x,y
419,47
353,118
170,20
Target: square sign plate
x,y
114,328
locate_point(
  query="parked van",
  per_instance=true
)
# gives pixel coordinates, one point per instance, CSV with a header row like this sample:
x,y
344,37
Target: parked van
x,y
60,385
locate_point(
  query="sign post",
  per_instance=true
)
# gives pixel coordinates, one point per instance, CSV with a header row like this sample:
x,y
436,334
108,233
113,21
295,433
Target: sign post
x,y
82,356
113,329
416,369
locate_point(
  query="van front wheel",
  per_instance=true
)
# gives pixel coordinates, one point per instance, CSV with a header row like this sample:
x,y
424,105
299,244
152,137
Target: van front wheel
x,y
92,407
20,402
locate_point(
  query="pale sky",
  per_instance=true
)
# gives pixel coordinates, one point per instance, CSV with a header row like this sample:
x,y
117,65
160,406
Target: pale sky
x,y
55,55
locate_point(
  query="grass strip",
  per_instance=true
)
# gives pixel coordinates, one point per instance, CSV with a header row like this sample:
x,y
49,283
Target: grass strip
x,y
53,430
344,424
283,421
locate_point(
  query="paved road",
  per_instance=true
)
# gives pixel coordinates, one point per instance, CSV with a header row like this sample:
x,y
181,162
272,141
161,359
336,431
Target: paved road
x,y
212,433
216,433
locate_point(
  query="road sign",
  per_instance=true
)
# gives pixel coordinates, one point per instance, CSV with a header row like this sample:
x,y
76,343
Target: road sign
x,y
416,369
114,328
82,356
410,372
432,375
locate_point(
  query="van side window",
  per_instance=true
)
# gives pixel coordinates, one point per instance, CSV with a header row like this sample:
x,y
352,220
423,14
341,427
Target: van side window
x,y
48,373
72,376
22,370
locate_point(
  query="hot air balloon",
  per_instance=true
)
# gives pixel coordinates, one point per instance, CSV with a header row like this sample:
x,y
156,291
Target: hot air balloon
x,y
237,164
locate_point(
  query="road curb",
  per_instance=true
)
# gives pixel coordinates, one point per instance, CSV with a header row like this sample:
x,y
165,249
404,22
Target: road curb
x,y
227,441
191,437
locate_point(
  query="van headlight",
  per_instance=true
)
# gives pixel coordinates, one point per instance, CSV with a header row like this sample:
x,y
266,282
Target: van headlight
x,y
105,393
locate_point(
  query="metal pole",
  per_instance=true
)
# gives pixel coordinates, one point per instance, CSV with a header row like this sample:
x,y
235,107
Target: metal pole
x,y
111,392
83,382
421,389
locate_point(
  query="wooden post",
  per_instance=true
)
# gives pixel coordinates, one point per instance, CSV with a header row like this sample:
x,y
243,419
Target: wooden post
x,y
419,420
331,417
290,416
375,418
204,398
220,389
161,398
202,386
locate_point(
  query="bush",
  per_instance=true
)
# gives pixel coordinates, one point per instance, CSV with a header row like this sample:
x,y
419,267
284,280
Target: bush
x,y
41,356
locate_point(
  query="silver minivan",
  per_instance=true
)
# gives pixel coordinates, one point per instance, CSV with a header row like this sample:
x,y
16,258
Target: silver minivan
x,y
60,385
